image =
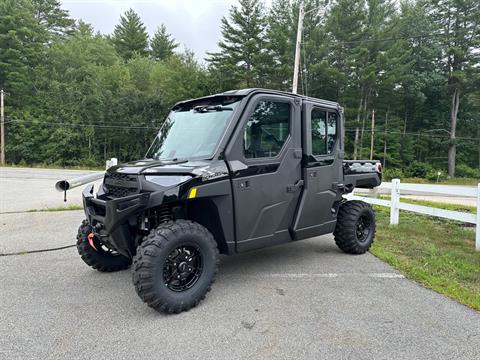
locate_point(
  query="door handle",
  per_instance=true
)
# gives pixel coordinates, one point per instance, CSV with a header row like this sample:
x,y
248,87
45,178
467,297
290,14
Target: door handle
x,y
295,187
244,185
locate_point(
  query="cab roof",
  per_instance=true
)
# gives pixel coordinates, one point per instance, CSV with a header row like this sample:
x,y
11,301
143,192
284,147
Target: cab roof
x,y
252,91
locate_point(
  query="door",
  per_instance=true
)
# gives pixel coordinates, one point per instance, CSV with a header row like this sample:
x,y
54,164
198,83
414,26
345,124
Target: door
x,y
322,170
265,159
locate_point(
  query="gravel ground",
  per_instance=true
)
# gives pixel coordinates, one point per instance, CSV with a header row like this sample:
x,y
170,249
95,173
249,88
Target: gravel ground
x,y
298,301
304,300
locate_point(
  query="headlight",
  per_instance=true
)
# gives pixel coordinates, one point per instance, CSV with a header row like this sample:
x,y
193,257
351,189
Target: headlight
x,y
167,180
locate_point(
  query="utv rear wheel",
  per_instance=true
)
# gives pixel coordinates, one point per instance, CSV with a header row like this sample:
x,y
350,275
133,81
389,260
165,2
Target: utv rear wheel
x,y
355,229
175,266
96,254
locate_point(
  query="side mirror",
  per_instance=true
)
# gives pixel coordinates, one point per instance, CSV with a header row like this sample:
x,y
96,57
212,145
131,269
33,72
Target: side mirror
x,y
237,165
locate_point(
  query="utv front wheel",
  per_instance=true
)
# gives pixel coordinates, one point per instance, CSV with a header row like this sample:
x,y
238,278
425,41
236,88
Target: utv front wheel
x,y
175,266
355,229
96,254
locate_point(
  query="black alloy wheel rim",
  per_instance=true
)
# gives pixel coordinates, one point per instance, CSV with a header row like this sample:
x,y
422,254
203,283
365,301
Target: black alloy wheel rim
x,y
183,268
362,228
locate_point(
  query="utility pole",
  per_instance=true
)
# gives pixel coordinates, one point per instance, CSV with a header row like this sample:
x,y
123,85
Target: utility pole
x,y
385,141
297,48
355,146
372,135
2,128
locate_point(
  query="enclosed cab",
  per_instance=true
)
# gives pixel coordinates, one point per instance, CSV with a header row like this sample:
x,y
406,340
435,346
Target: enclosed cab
x,y
226,174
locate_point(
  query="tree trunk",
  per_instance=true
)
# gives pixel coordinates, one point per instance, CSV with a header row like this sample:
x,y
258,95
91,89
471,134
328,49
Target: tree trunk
x,y
104,149
452,147
363,124
355,150
478,132
355,144
385,141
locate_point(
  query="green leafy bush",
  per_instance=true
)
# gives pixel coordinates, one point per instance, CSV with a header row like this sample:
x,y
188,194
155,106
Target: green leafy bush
x,y
466,171
393,173
436,175
419,169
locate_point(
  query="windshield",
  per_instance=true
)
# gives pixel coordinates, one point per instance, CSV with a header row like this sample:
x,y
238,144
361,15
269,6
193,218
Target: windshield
x,y
193,132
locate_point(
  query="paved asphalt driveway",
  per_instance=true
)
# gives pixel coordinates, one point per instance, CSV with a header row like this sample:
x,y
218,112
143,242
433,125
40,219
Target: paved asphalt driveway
x,y
304,300
23,189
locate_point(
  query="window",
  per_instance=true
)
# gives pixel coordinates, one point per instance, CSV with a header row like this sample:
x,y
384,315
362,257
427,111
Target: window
x,y
193,132
266,130
331,131
319,132
324,131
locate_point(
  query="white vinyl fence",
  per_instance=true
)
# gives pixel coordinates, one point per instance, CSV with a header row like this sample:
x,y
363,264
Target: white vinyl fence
x,y
396,205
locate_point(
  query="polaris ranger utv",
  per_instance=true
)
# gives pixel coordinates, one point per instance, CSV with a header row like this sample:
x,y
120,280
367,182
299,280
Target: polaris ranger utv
x,y
227,173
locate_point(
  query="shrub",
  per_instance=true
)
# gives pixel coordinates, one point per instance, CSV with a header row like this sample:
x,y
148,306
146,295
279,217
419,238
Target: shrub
x,y
463,170
393,173
419,169
436,175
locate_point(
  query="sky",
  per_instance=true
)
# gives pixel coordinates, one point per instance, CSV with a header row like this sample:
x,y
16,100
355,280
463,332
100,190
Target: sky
x,y
195,24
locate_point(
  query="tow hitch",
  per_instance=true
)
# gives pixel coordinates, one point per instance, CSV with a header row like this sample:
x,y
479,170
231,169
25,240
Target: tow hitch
x,y
90,238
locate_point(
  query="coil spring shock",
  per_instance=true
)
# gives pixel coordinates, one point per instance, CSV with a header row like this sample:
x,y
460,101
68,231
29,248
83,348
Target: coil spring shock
x,y
164,214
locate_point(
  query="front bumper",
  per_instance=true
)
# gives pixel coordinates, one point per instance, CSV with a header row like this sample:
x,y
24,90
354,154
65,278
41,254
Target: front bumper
x,y
113,215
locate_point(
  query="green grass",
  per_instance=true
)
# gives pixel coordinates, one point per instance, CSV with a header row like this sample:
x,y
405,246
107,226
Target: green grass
x,y
440,254
59,208
53,167
450,181
440,205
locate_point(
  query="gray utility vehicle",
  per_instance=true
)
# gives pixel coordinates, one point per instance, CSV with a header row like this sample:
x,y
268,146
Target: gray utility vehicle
x,y
227,173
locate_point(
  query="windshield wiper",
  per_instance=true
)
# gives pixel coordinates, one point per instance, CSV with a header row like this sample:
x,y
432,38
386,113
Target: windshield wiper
x,y
174,161
206,108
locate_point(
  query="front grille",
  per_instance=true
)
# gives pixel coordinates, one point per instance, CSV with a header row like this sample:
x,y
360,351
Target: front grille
x,y
121,177
117,191
120,185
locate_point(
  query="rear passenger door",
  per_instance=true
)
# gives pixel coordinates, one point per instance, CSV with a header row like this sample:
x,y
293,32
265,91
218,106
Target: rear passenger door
x,y
322,169
265,159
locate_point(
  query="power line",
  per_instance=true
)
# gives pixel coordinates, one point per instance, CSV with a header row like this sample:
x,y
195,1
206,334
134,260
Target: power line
x,y
419,134
57,124
351,130
56,120
390,39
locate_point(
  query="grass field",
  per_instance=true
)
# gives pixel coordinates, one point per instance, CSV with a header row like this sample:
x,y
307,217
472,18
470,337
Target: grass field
x,y
438,253
54,167
60,208
441,205
451,181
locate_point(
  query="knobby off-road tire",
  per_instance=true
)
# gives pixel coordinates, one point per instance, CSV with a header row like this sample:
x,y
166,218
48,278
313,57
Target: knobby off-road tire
x,y
175,266
355,229
101,259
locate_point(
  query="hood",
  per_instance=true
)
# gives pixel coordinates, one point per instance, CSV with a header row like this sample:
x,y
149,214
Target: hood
x,y
204,168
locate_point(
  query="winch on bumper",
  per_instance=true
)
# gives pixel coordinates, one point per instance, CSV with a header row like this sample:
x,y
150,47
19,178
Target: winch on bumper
x,y
111,216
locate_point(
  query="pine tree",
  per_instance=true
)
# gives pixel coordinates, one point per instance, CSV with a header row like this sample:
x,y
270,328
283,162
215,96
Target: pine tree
x,y
458,24
50,15
281,37
344,29
355,29
130,37
21,47
242,58
162,44
316,69
84,28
